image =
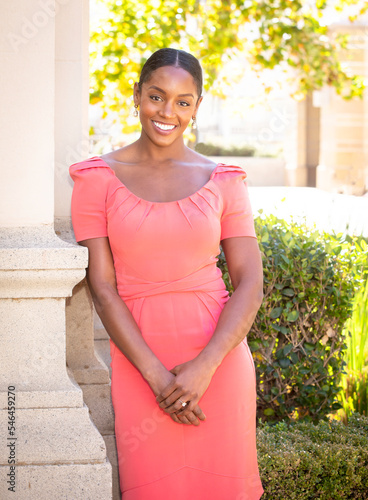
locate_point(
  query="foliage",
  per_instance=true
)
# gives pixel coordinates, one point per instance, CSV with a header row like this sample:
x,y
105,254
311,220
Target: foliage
x,y
213,150
354,392
352,253
268,34
296,340
302,461
357,327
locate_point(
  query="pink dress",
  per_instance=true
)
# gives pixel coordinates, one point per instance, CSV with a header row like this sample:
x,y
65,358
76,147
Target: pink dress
x,y
165,262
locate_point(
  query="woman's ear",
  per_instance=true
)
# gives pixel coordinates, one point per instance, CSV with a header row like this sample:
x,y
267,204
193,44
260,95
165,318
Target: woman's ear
x,y
136,93
200,99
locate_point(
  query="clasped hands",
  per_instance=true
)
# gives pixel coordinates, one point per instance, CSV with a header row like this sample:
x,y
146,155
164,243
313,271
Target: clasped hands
x,y
188,385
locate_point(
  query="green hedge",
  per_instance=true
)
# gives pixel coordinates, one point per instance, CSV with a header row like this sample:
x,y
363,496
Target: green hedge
x,y
297,340
304,461
217,150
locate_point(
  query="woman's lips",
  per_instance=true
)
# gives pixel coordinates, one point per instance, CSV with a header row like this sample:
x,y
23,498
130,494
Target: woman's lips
x,y
164,127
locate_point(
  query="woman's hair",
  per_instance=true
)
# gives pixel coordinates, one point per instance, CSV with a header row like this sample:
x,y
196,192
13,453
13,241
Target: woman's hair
x,y
176,58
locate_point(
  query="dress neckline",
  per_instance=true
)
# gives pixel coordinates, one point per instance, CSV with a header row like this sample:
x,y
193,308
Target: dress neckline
x,y
213,173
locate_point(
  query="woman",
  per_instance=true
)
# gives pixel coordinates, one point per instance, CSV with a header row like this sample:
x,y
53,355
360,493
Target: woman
x,y
152,215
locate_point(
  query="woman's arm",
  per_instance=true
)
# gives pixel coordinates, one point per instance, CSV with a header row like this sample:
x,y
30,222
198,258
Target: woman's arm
x,y
120,324
193,377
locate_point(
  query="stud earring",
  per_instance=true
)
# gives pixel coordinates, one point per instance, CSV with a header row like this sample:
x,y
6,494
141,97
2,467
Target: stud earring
x,y
135,112
194,122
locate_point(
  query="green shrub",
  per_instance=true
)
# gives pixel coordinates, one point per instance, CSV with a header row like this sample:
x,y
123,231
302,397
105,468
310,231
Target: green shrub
x,y
296,340
354,390
217,150
304,461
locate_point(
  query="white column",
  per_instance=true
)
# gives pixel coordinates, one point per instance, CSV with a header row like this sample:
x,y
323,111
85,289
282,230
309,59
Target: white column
x,y
71,98
58,451
27,111
343,162
295,150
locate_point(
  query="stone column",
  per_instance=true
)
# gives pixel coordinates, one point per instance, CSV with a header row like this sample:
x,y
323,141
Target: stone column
x,y
343,159
296,174
57,450
72,145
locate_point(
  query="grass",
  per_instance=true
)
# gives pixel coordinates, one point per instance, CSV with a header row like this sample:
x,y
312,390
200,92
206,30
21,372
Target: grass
x,y
354,392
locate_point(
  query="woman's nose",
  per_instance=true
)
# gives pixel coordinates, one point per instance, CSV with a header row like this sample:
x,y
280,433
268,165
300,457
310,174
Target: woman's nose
x,y
167,109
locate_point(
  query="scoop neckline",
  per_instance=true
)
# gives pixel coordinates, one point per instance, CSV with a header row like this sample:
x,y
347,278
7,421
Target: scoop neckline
x,y
160,202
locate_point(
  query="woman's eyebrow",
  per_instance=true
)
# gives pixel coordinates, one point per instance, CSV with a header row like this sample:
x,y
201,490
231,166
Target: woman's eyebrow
x,y
163,92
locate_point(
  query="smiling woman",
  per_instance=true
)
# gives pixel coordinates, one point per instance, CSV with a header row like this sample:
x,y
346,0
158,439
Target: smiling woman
x,y
167,102
152,215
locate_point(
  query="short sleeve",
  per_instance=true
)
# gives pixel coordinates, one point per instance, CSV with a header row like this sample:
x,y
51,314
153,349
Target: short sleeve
x,y
237,217
89,201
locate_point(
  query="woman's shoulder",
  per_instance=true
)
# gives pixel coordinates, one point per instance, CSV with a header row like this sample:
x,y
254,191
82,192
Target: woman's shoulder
x,y
94,165
219,169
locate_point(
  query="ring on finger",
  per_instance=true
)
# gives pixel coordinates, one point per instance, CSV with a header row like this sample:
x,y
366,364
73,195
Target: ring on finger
x,y
183,404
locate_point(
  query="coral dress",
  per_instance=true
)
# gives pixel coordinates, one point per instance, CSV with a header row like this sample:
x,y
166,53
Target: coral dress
x,y
165,262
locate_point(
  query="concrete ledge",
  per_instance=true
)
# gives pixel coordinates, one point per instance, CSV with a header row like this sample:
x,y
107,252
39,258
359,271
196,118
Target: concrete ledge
x,y
58,482
44,399
38,283
324,210
53,436
39,248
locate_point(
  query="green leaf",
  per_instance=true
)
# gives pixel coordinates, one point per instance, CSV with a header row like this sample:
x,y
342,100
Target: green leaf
x,y
254,345
265,237
294,357
284,362
276,312
287,349
292,316
269,412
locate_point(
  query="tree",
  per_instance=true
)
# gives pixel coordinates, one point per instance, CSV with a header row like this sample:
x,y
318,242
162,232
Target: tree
x,y
286,33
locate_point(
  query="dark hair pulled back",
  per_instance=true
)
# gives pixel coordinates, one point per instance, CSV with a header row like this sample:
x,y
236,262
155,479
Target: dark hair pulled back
x,y
172,57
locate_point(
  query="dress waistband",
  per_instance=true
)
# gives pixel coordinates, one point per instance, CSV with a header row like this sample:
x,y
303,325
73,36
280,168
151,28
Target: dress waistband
x,y
203,280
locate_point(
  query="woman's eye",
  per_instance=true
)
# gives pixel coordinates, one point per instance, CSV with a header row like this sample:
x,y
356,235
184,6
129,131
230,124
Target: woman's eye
x,y
155,98
184,104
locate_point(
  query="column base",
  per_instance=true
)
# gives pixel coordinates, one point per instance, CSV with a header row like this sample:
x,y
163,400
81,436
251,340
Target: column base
x,y
58,482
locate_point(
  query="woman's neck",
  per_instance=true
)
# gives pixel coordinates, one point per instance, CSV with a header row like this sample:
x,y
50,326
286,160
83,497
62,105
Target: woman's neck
x,y
147,150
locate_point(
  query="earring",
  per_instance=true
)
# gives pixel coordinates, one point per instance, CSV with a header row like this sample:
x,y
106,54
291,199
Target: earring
x,y
194,122
135,112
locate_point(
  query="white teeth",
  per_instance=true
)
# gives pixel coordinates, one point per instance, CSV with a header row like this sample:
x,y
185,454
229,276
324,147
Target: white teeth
x,y
162,126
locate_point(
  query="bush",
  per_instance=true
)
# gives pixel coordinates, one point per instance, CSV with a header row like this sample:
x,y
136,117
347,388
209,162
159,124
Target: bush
x,y
354,390
217,150
296,340
302,461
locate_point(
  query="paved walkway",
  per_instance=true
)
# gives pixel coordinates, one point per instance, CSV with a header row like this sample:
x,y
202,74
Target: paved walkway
x,y
327,211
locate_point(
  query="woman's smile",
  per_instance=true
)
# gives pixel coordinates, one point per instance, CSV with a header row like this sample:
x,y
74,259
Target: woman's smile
x,y
163,127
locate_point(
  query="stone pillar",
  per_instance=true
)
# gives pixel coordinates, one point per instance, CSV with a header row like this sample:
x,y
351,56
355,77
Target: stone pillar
x,y
57,450
343,160
72,131
295,151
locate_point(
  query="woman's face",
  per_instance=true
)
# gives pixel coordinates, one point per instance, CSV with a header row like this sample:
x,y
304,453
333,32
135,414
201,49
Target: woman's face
x,y
167,102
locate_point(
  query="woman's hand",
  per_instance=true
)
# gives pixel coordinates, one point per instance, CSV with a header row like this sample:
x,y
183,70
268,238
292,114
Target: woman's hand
x,y
158,384
190,383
